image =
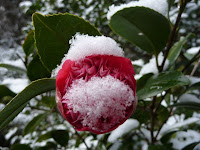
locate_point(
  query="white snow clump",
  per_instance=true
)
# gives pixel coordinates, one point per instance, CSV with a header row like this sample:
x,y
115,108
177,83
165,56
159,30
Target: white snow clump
x,y
161,6
126,127
99,97
85,45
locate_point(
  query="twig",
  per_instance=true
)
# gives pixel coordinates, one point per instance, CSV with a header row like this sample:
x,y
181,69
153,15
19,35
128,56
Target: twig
x,y
196,56
172,36
82,140
195,68
152,119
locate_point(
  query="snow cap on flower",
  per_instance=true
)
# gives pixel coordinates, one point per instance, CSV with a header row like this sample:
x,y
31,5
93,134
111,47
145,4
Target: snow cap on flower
x,y
95,86
160,6
85,45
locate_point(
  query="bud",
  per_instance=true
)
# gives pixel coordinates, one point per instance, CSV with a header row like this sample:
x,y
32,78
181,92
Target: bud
x,y
95,86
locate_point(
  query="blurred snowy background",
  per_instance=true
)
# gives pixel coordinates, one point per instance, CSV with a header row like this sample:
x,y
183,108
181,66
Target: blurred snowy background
x,y
15,23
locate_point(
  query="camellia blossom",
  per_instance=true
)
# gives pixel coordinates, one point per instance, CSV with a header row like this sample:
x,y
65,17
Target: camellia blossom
x,y
95,86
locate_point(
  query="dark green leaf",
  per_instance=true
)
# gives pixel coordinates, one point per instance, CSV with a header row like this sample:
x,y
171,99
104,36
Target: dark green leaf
x,y
191,146
49,101
31,126
53,32
159,83
13,68
4,91
61,137
44,137
166,137
142,115
20,147
195,86
16,105
191,105
29,43
49,146
142,81
143,27
36,70
160,147
176,49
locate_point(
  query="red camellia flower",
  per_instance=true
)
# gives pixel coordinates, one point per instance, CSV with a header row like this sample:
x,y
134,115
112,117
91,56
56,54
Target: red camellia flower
x,y
95,86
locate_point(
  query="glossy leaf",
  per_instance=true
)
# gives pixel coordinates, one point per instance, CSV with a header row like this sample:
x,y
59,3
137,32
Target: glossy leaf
x,y
44,137
61,137
160,147
142,81
191,146
4,91
53,32
20,147
166,137
176,49
49,101
32,125
143,27
13,68
16,105
36,70
189,104
159,83
29,43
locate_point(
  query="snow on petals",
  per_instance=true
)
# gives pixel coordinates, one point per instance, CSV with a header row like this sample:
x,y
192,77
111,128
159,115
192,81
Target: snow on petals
x,y
160,6
95,86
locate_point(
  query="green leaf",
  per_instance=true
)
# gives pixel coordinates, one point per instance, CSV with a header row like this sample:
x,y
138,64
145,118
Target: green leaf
x,y
13,68
36,70
16,105
159,83
31,126
44,137
4,91
53,32
176,49
20,147
29,43
144,27
49,101
191,105
195,86
166,137
142,81
191,146
61,137
160,147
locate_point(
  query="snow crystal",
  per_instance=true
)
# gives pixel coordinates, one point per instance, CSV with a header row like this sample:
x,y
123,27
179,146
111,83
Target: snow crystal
x,y
193,50
85,45
97,98
160,6
129,125
151,66
184,138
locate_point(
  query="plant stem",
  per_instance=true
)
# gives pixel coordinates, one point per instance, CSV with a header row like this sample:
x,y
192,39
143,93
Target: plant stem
x,y
82,140
196,56
152,119
195,68
172,36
